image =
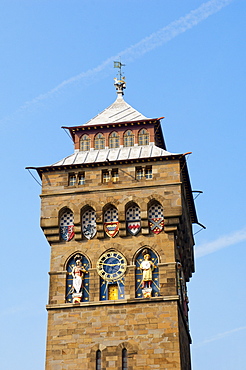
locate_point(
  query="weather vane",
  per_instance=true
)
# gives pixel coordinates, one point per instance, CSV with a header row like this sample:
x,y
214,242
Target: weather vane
x,y
119,81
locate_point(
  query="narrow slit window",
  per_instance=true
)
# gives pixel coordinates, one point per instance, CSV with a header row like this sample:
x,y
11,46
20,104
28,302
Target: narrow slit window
x,y
98,360
124,359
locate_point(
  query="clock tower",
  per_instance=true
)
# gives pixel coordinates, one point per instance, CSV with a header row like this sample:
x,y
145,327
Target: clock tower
x,y
118,216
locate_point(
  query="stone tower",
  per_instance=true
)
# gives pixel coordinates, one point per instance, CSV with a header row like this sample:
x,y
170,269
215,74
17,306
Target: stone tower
x,y
118,216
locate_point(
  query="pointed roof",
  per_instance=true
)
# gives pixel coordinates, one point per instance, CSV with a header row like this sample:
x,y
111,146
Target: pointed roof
x,y
119,111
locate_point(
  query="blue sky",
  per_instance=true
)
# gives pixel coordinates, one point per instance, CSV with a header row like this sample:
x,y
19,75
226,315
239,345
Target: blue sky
x,y
185,60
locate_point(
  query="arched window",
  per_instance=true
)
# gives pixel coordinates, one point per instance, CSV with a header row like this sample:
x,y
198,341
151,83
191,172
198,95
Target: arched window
x,y
128,138
133,220
99,142
67,225
147,274
89,227
124,359
143,137
77,284
156,218
111,223
85,143
98,360
114,140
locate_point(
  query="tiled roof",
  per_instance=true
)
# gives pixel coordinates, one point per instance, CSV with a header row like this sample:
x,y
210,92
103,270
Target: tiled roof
x,y
116,154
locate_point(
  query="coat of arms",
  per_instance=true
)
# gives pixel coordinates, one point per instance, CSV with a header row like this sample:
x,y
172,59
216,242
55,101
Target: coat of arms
x,y
111,228
156,224
133,227
67,226
67,232
89,230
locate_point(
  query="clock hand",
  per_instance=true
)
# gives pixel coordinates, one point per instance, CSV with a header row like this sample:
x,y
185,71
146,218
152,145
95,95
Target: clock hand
x,y
110,264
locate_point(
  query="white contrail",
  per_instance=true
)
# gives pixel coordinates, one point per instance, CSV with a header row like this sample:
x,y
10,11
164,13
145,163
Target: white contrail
x,y
149,43
222,242
219,336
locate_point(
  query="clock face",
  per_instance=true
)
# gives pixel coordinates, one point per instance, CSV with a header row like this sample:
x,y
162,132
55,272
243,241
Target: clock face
x,y
111,266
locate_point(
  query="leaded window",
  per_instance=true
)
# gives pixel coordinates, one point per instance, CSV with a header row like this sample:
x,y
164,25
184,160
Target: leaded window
x,y
85,143
143,137
99,141
128,138
114,140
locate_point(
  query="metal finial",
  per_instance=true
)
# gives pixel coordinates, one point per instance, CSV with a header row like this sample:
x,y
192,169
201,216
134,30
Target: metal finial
x,y
119,81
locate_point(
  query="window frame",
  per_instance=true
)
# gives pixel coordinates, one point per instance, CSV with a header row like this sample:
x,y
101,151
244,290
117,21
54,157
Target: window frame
x,y
85,143
114,140
128,139
143,137
99,141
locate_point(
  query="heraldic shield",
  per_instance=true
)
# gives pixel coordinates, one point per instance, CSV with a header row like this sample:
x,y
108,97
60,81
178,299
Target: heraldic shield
x,y
133,227
156,219
89,228
67,226
111,223
133,222
111,228
156,224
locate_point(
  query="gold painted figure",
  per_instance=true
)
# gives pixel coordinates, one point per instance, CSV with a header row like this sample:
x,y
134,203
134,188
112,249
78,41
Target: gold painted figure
x,y
147,266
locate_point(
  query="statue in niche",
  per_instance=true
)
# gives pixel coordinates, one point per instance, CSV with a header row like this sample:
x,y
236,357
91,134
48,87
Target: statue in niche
x,y
78,272
147,266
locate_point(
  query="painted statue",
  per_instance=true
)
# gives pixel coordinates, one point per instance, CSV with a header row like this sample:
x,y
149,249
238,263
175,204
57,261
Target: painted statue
x,y
147,266
78,272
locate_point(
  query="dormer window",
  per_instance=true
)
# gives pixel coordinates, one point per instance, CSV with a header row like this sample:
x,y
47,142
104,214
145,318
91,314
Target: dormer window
x,y
114,140
85,143
143,137
128,138
99,142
